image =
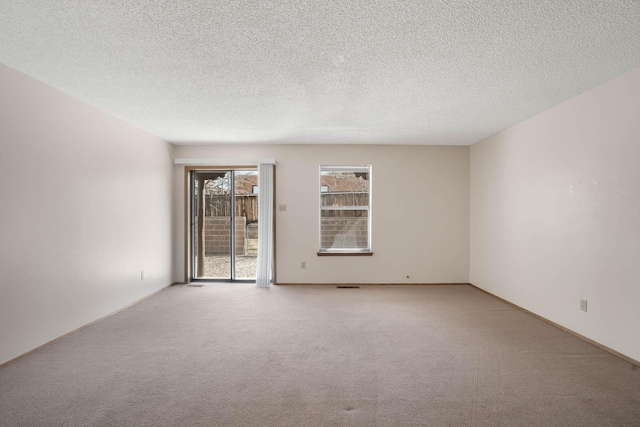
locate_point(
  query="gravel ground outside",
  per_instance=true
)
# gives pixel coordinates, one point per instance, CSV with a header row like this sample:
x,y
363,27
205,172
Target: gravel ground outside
x,y
219,267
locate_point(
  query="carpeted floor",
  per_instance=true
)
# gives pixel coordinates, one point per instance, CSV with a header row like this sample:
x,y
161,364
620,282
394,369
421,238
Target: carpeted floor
x,y
237,355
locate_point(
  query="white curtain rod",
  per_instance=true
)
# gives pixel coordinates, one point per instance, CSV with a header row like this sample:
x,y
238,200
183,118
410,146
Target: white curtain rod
x,y
221,162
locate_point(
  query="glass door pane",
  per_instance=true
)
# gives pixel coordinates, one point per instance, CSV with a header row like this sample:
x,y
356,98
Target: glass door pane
x,y
211,234
246,224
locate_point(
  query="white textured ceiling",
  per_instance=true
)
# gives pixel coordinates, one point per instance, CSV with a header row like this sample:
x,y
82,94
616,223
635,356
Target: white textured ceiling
x,y
352,71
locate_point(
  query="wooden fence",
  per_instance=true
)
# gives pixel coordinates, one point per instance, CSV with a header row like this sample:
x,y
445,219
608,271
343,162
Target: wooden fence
x,y
344,199
220,205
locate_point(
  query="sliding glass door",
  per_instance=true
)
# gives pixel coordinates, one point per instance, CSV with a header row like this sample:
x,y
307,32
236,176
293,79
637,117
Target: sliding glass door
x,y
224,224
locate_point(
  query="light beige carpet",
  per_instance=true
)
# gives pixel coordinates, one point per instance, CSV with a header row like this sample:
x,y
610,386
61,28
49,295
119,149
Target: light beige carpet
x,y
237,355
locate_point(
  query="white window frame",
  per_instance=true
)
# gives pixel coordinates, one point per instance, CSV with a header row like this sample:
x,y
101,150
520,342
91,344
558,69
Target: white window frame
x,y
345,168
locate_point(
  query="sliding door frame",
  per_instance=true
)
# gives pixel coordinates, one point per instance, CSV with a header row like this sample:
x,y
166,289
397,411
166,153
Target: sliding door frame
x,y
189,206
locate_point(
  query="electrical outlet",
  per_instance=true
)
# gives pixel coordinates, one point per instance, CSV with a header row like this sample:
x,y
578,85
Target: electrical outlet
x,y
143,274
583,304
303,264
282,208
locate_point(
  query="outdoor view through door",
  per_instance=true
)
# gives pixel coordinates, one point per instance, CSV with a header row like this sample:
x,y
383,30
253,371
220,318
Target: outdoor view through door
x,y
224,224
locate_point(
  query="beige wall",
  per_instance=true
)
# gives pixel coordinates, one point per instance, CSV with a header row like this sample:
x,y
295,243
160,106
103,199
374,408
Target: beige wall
x,y
85,205
555,214
420,211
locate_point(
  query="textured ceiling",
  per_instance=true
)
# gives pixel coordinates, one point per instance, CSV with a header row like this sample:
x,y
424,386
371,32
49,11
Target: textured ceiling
x,y
352,71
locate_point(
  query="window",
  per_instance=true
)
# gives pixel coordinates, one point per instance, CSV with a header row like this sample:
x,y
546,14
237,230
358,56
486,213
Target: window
x,y
345,210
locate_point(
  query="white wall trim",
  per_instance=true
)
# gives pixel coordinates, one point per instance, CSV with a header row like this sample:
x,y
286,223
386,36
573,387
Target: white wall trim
x,y
221,162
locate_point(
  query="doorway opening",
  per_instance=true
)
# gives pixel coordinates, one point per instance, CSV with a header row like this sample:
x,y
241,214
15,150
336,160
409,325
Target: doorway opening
x,y
224,224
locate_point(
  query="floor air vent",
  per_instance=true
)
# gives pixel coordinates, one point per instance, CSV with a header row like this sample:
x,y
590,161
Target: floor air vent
x,y
195,286
348,287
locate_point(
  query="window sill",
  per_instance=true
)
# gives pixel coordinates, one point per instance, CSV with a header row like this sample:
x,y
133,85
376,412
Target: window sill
x,y
344,253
